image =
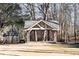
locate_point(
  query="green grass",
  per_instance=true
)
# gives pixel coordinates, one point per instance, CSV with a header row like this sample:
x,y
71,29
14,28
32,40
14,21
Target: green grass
x,y
66,48
66,45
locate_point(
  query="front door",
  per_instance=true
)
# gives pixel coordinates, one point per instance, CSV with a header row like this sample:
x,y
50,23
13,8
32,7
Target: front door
x,y
32,35
40,34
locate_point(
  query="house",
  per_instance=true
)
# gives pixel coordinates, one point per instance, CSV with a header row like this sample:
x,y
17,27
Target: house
x,y
40,31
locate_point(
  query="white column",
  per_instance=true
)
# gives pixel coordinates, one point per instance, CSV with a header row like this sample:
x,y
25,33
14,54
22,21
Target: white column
x,y
36,35
51,38
55,36
44,35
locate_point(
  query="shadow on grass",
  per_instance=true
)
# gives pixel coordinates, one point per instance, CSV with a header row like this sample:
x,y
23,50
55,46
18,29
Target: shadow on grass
x,y
74,45
65,45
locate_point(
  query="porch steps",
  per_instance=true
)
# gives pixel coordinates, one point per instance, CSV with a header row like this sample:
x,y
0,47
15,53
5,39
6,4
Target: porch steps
x,y
38,43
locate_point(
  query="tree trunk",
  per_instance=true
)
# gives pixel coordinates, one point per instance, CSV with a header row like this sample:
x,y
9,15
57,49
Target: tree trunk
x,y
75,18
28,36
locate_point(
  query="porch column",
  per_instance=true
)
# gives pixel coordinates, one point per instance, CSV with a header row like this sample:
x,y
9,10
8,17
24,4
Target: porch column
x,y
28,36
55,37
35,35
45,32
51,38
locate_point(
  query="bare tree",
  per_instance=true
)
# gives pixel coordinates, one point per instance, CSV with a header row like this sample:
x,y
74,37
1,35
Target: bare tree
x,y
30,10
75,18
43,8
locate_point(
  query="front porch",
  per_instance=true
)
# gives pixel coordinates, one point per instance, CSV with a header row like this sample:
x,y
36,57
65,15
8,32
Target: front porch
x,y
41,35
40,31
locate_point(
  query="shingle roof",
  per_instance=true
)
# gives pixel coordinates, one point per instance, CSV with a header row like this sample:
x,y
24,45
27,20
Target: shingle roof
x,y
28,24
53,25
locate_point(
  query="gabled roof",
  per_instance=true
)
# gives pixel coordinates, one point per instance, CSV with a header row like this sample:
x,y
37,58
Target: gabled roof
x,y
30,24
